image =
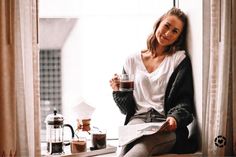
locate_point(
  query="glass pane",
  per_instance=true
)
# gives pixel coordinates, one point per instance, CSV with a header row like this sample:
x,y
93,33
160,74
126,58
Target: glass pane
x,y
95,47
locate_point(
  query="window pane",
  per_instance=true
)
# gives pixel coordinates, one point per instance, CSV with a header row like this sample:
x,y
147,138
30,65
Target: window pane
x,y
104,34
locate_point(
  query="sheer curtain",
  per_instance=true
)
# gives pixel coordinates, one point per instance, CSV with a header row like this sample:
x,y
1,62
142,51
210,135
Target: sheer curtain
x,y
220,99
19,81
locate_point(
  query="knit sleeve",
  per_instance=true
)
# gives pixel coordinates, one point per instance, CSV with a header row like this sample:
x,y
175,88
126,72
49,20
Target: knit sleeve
x,y
125,101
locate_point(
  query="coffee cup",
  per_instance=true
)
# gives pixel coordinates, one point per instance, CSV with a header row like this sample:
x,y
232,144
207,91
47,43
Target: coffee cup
x,y
126,82
78,145
99,139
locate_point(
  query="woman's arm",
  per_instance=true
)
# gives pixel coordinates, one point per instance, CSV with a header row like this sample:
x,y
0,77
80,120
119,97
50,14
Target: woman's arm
x,y
125,101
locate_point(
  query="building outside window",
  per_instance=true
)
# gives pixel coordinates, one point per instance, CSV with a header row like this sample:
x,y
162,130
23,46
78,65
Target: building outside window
x,y
50,84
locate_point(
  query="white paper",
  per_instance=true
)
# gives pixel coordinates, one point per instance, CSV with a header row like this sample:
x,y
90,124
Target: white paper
x,y
83,110
129,133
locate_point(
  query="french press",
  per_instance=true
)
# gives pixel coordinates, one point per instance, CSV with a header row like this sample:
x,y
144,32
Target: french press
x,y
55,132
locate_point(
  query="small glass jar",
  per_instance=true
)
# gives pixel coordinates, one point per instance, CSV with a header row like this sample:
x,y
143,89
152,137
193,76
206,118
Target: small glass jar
x,y
99,139
79,143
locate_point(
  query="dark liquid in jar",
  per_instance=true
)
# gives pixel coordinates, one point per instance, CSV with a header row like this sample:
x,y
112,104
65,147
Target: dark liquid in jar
x,y
126,85
99,141
57,147
78,146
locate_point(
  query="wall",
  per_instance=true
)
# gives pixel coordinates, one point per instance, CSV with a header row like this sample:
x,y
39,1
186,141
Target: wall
x,y
194,10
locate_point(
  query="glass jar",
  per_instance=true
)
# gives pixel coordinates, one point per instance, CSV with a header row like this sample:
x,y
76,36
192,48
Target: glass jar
x,y
98,139
79,143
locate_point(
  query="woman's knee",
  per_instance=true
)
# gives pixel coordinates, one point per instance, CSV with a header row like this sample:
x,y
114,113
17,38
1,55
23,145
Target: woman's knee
x,y
139,150
163,148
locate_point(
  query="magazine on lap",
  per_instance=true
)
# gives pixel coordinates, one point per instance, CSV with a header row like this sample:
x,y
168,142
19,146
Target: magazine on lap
x,y
130,133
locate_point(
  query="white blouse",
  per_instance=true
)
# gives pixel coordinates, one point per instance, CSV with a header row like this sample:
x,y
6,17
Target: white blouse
x,y
149,88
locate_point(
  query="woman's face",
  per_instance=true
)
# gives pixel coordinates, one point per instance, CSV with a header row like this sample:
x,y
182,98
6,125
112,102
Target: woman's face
x,y
169,30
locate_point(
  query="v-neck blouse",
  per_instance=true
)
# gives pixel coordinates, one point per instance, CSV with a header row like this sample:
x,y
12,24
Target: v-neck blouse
x,y
149,87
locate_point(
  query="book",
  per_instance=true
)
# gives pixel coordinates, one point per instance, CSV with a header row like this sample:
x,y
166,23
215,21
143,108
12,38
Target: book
x,y
129,133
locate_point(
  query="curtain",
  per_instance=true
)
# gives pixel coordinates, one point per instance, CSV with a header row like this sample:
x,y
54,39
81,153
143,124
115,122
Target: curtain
x,y
219,128
233,76
19,81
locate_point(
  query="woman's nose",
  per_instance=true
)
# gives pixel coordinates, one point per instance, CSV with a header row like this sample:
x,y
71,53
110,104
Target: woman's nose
x,y
168,33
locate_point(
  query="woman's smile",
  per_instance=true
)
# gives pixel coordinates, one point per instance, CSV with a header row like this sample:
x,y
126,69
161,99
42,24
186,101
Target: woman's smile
x,y
164,37
169,30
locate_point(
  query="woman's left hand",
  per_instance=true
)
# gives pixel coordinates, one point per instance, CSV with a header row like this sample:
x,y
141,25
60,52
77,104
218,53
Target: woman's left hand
x,y
172,124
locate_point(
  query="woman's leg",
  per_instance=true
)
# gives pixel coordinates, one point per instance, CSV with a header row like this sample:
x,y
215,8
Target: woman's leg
x,y
158,143
126,148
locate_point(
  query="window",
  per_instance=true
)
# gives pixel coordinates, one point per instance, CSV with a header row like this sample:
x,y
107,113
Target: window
x,y
100,36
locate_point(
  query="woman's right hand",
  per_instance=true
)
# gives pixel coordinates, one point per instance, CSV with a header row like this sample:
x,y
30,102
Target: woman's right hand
x,y
115,82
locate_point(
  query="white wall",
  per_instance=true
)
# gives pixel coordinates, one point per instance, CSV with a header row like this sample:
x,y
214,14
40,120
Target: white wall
x,y
107,31
194,10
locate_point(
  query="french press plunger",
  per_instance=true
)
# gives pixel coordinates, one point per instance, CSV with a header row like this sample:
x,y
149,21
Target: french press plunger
x,y
55,132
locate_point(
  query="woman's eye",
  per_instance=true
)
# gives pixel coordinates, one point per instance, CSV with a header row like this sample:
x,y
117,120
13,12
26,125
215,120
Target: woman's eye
x,y
174,31
167,26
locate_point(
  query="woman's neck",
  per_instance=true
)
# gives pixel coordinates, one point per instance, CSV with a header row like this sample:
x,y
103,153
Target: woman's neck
x,y
159,51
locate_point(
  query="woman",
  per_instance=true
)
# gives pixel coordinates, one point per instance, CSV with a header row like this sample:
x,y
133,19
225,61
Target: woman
x,y
163,88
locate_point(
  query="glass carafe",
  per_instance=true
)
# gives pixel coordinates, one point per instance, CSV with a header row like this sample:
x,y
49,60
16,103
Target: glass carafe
x,y
55,132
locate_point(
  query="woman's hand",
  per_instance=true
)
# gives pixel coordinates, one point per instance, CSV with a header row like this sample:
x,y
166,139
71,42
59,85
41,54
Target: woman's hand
x,y
170,126
115,82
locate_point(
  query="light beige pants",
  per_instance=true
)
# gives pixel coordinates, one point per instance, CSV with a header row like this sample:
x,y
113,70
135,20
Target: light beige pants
x,y
156,144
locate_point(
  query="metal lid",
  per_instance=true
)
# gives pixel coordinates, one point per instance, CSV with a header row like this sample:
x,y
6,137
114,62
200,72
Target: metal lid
x,y
54,119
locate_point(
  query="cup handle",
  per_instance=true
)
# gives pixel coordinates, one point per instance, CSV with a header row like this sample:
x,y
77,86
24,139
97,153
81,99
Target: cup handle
x,y
72,132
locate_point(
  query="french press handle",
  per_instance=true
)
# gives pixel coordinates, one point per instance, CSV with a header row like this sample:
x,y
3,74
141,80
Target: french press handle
x,y
72,133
